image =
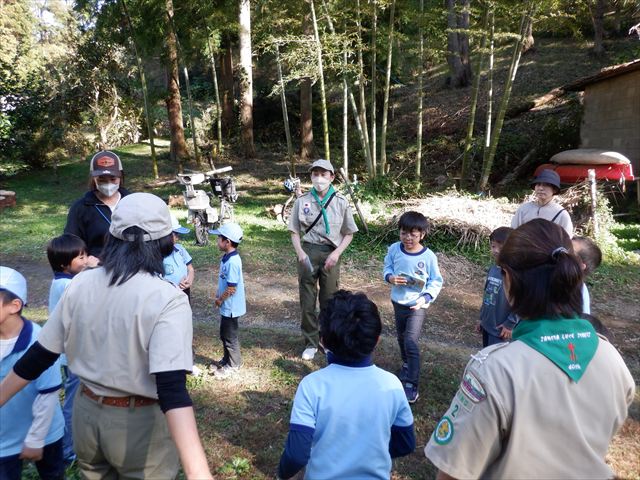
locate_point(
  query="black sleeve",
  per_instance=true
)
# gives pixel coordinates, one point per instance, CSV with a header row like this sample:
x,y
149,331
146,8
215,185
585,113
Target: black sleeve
x,y
172,390
35,361
74,225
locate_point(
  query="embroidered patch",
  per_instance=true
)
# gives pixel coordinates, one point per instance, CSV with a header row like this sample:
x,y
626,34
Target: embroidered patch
x,y
444,431
306,209
420,264
472,388
466,403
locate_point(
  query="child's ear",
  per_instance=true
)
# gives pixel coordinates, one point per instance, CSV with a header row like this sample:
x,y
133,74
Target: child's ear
x,y
14,306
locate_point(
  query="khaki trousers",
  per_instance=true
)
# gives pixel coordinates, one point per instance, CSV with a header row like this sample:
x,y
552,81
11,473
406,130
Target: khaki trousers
x,y
122,443
319,284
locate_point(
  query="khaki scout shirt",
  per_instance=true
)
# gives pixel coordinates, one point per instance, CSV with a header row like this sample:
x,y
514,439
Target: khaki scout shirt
x,y
116,337
341,223
517,415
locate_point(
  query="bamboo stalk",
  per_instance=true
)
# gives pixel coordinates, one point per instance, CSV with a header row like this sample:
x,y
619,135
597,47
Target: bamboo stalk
x,y
323,94
385,107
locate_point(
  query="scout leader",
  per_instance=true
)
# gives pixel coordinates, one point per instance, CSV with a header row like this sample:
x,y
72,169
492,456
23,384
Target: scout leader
x,y
322,227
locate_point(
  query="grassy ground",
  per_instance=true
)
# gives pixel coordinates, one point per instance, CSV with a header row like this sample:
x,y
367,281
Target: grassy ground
x,y
243,421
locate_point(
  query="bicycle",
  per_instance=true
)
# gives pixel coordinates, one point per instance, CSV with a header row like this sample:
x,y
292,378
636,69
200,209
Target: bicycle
x,y
291,185
201,214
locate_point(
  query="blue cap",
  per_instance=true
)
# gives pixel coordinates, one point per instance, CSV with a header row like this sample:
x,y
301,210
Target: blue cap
x,y
231,230
176,227
13,281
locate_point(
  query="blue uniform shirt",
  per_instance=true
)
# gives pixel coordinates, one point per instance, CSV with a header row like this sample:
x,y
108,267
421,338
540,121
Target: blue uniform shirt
x,y
16,415
175,264
422,265
230,275
58,286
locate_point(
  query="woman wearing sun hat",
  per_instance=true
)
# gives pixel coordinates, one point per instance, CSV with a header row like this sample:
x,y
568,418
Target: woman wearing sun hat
x,y
90,216
545,187
127,334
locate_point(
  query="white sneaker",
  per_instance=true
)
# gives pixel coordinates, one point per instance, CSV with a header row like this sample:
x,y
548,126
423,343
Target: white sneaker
x,y
195,371
309,353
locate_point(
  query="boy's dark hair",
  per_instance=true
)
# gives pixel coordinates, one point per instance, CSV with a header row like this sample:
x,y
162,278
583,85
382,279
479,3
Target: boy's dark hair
x,y
350,325
589,253
7,297
413,221
500,234
545,277
123,259
63,249
233,244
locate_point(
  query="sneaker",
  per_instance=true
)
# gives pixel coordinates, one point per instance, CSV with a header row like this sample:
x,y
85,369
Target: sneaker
x,y
196,371
309,353
216,364
411,391
225,371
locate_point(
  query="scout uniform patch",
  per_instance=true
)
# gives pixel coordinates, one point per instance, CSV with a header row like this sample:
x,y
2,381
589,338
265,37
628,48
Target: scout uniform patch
x,y
472,387
444,431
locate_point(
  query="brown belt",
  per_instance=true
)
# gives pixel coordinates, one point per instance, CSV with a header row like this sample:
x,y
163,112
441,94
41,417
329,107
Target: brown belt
x,y
126,402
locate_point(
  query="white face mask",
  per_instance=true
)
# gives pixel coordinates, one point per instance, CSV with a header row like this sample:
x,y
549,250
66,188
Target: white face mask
x,y
320,183
107,189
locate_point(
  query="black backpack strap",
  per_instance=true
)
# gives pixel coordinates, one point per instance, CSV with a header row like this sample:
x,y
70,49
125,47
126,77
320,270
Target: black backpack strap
x,y
320,213
553,220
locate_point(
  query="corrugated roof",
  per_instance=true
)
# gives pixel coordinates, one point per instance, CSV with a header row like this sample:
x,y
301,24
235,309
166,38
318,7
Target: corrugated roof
x,y
604,74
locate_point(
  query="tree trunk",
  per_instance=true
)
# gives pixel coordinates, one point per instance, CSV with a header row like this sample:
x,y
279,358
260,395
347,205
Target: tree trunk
x,y
597,16
420,93
374,141
463,41
306,119
217,150
361,82
345,118
145,95
529,42
246,80
226,79
323,94
513,70
457,76
466,157
387,87
178,149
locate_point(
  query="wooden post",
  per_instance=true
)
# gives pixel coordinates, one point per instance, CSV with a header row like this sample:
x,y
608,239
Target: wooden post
x,y
593,193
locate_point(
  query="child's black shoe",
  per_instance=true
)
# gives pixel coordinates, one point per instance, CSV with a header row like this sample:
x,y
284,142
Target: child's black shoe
x,y
411,391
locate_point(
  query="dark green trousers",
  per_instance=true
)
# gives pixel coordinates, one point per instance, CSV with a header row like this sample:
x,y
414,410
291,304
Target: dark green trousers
x,y
319,284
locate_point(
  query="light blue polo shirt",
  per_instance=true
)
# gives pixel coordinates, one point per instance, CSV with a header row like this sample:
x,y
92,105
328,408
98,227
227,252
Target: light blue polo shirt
x,y
352,410
16,416
231,275
58,286
175,264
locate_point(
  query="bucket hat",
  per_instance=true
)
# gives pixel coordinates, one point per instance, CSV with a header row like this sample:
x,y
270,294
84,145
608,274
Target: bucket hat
x,y
12,281
547,176
232,231
142,210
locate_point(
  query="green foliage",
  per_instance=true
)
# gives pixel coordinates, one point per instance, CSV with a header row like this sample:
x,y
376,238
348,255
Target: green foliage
x,y
237,466
388,187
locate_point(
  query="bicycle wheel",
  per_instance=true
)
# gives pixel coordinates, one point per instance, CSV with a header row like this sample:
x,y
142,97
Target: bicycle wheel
x,y
200,229
287,208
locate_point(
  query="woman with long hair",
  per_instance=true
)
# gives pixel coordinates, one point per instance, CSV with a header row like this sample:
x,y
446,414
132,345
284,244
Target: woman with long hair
x,y
547,404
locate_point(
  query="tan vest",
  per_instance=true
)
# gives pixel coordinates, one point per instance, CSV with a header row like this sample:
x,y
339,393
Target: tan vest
x,y
339,214
116,337
517,415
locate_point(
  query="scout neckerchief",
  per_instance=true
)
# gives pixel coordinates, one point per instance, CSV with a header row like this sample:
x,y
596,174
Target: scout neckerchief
x,y
323,203
569,343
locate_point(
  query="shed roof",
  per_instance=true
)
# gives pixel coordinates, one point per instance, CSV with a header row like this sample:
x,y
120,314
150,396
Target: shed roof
x,y
604,74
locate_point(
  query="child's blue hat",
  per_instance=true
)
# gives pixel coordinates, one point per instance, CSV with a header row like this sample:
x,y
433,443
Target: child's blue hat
x,y
232,231
13,281
176,227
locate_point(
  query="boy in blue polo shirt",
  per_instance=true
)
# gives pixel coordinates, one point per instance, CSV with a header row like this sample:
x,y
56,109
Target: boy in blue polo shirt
x,y
350,418
31,423
229,298
178,267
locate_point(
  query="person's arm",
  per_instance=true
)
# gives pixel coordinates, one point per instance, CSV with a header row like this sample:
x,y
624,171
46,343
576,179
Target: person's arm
x,y
11,385
43,409
177,406
297,246
333,258
187,281
434,283
230,290
297,451
443,476
402,442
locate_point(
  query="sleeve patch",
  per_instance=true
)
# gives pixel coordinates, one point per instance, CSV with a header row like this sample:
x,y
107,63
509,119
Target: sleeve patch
x,y
472,387
444,431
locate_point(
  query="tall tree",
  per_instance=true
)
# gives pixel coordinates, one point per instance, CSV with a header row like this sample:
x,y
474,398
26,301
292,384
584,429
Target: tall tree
x,y
597,9
458,43
420,91
387,88
246,80
374,113
323,93
178,148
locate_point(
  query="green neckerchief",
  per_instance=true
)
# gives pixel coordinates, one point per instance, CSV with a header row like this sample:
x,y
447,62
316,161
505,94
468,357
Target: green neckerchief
x,y
322,203
569,343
